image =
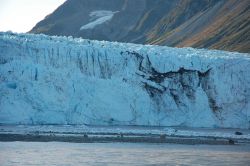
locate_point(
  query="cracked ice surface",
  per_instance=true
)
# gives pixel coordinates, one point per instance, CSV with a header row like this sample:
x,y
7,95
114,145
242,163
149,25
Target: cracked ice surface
x,y
60,80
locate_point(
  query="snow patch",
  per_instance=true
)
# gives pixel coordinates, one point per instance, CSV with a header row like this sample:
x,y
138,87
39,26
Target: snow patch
x,y
99,17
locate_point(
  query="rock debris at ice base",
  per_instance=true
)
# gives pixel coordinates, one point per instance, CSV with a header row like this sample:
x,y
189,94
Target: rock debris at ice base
x,y
60,80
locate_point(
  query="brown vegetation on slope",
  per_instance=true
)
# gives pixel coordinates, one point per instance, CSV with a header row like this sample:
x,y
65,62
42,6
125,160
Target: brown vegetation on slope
x,y
213,24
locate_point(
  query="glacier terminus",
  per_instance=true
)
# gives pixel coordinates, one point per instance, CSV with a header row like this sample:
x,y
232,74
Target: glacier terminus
x,y
62,80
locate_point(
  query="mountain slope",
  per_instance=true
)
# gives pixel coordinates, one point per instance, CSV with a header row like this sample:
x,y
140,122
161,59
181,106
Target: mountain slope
x,y
215,24
60,80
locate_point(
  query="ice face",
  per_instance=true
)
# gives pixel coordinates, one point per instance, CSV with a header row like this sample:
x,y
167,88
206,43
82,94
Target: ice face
x,y
60,80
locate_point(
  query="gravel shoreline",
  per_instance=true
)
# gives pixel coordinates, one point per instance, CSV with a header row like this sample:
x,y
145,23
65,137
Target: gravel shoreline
x,y
8,137
130,134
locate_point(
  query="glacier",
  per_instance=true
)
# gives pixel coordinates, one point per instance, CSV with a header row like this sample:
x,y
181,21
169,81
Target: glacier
x,y
62,80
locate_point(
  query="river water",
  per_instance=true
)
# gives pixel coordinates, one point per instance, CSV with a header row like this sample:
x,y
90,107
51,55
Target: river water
x,y
76,154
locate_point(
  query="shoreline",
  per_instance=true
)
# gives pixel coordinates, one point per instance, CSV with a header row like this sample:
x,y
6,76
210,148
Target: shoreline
x,y
78,138
109,134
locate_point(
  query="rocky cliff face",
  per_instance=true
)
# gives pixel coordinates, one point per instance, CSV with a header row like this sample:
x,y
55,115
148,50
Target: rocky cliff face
x,y
214,24
59,80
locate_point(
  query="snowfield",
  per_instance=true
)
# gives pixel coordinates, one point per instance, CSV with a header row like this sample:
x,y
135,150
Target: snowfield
x,y
60,80
99,17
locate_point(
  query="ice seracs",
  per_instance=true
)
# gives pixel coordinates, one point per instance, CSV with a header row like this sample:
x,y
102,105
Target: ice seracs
x,y
60,80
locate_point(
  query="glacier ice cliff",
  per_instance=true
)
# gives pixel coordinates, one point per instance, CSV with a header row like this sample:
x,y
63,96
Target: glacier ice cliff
x,y
61,80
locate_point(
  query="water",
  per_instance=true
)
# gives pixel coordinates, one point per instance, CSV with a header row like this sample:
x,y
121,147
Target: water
x,y
64,154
